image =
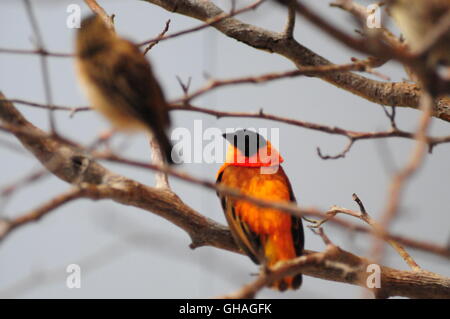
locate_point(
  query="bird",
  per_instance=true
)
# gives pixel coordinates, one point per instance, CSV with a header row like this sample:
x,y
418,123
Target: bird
x,y
266,235
417,19
119,82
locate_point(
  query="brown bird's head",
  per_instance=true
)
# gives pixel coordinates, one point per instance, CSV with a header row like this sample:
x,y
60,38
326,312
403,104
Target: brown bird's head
x,y
248,148
93,36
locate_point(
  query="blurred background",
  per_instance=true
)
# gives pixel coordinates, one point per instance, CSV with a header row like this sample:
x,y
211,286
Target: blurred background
x,y
125,252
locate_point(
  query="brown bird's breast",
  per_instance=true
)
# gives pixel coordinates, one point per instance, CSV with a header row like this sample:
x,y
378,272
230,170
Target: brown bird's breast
x,y
102,103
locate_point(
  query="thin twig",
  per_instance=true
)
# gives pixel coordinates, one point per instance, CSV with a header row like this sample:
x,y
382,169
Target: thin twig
x,y
37,52
290,23
44,64
378,230
161,178
210,22
416,160
334,130
7,226
339,155
163,32
71,109
307,70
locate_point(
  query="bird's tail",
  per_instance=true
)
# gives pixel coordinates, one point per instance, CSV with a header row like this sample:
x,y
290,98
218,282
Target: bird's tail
x,y
277,248
165,145
288,283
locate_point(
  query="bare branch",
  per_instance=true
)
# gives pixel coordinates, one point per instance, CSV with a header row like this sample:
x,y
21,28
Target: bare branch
x,y
339,265
162,180
290,24
160,36
390,94
44,64
339,155
416,160
72,110
38,51
209,22
74,167
379,231
359,65
7,226
97,9
333,130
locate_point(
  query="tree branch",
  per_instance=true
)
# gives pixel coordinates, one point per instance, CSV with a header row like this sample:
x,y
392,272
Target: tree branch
x,y
385,93
70,163
98,10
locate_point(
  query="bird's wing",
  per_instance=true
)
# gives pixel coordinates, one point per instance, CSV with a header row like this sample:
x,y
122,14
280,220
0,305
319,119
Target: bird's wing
x,y
246,239
297,225
131,81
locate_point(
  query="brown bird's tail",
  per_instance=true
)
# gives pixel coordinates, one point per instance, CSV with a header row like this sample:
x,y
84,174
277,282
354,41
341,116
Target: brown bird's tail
x,y
165,145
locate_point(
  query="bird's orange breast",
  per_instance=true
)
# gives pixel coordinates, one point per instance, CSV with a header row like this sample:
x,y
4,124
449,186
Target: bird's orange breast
x,y
268,223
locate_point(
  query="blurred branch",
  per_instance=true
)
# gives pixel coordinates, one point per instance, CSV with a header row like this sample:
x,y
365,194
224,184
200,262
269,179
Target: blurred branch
x,y
70,163
416,160
353,136
364,216
38,51
385,93
163,32
361,14
72,110
98,10
162,180
208,23
290,23
8,190
44,63
7,226
30,132
338,265
360,65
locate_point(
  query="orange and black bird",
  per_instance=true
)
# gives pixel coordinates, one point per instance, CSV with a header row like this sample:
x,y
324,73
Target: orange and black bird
x,y
119,82
266,235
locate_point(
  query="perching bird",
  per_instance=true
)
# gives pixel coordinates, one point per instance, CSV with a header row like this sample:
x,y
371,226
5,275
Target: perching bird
x,y
119,82
417,19
266,235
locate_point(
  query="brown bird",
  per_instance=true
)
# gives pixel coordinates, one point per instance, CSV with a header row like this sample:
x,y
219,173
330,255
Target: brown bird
x,y
416,19
266,235
119,82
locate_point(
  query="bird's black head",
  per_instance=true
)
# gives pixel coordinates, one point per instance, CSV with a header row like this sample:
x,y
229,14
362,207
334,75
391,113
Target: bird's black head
x,y
248,142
